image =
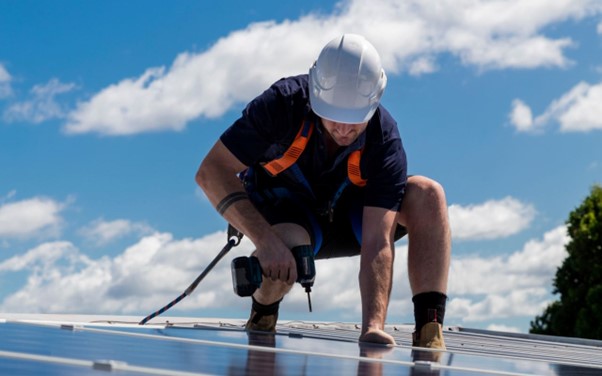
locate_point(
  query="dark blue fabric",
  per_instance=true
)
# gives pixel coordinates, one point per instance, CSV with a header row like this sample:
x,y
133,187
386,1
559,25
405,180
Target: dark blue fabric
x,y
268,126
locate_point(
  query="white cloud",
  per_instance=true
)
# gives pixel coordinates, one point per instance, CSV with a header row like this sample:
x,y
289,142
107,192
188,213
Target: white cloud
x,y
5,80
578,110
44,256
146,275
31,217
102,232
502,274
42,106
520,303
599,28
422,66
521,116
410,35
516,52
490,220
196,85
485,288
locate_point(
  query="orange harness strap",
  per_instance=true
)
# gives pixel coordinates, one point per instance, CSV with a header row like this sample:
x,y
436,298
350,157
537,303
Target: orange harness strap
x,y
353,168
291,155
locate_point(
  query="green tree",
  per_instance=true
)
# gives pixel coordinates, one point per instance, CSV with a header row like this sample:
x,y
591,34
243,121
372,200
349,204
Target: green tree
x,y
578,280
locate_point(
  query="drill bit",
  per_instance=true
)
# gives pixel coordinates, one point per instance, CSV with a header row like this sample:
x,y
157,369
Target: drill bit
x,y
308,290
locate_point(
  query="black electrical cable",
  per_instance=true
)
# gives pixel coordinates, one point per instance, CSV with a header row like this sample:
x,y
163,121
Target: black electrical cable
x,y
234,238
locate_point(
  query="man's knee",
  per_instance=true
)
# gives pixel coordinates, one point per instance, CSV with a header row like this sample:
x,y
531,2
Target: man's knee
x,y
292,234
423,188
424,197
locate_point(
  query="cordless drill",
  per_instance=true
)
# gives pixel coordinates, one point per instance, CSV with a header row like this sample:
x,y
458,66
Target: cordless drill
x,y
247,274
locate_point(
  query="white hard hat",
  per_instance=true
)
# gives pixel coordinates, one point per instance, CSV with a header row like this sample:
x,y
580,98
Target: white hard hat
x,y
347,81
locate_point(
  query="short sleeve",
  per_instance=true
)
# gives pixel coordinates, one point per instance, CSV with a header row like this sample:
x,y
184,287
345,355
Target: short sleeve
x,y
267,122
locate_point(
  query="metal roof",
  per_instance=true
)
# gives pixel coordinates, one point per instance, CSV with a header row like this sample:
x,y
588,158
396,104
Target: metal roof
x,y
82,345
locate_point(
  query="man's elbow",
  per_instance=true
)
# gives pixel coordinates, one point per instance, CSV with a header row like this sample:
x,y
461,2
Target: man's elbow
x,y
202,175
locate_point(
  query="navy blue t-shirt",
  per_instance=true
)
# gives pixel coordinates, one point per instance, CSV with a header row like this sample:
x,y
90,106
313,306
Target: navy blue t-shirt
x,y
270,122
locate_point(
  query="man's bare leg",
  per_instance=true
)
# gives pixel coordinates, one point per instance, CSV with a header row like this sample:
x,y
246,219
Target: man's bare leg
x,y
272,291
424,214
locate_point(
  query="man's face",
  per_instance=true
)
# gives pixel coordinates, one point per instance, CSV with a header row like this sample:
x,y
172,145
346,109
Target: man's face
x,y
343,134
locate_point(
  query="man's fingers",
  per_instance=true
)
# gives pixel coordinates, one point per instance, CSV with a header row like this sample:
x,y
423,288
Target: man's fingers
x,y
292,276
285,272
273,274
286,275
276,274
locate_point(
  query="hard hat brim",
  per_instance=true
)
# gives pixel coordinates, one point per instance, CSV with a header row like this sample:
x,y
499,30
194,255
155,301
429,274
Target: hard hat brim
x,y
341,115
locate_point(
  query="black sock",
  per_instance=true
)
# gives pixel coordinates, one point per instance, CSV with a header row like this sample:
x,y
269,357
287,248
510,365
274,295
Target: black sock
x,y
428,307
264,310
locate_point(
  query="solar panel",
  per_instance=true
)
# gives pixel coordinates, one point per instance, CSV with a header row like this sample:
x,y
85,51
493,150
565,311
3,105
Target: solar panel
x,y
43,346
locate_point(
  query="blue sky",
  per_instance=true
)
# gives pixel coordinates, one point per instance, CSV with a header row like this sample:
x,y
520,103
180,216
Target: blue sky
x,y
107,108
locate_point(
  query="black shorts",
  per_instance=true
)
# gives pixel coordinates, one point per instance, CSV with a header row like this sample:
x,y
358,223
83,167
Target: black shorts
x,y
338,235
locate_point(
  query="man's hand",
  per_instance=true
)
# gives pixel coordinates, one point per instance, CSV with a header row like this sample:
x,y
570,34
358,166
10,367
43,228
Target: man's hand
x,y
277,263
377,336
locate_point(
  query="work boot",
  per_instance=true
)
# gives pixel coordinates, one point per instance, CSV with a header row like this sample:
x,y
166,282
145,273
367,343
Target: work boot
x,y
263,323
430,337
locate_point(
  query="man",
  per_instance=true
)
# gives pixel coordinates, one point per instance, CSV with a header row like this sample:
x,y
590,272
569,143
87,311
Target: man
x,y
316,161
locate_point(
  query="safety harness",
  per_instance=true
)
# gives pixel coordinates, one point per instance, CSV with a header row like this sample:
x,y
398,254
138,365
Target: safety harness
x,y
290,156
288,161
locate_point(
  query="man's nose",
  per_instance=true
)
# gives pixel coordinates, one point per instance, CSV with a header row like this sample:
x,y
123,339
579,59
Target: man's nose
x,y
344,128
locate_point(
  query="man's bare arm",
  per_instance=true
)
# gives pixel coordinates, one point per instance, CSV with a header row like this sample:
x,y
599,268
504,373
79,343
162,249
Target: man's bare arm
x,y
217,176
376,272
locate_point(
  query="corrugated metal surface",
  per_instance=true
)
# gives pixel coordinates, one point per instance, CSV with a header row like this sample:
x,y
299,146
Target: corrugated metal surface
x,y
62,345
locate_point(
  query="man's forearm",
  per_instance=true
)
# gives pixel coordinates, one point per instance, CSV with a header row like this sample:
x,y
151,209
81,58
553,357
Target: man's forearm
x,y
376,272
240,213
217,177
